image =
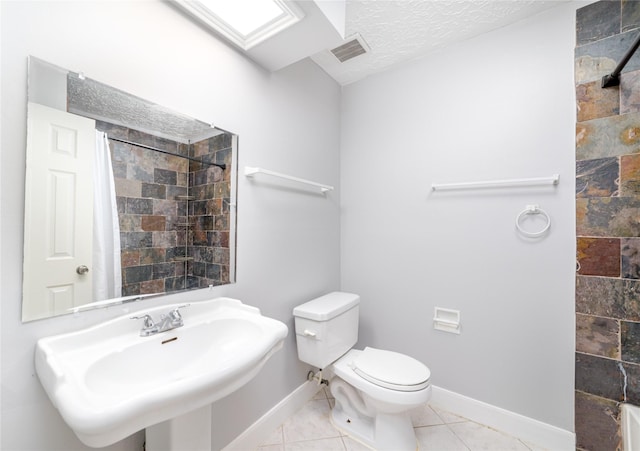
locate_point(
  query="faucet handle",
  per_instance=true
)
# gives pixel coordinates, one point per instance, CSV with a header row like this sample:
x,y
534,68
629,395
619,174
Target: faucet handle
x,y
148,321
175,313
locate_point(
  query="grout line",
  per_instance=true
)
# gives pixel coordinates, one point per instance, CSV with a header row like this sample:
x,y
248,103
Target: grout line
x,y
457,436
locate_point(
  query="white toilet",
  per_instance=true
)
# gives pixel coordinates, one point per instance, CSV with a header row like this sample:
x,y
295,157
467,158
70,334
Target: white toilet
x,y
374,389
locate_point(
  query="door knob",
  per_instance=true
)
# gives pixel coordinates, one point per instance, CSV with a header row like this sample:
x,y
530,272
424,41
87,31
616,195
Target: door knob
x,y
82,269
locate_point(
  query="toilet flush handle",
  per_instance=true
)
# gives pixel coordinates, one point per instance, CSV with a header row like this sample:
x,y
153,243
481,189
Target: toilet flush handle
x,y
309,333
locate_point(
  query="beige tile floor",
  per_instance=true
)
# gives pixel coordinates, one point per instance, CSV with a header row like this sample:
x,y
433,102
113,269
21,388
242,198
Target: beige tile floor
x,y
437,430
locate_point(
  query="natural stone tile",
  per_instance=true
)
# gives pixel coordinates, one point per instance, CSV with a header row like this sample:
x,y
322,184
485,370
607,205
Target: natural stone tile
x,y
632,391
121,205
140,173
608,297
630,341
198,269
199,238
174,191
597,422
221,255
120,152
630,15
178,164
119,169
600,58
222,141
135,240
599,376
630,258
139,206
214,206
597,178
630,175
164,239
194,282
164,207
154,191
214,271
153,223
222,222
218,239
608,216
113,130
224,276
130,289
152,286
130,258
165,177
204,223
129,223
200,177
152,255
214,174
597,21
182,178
181,269
137,274
594,102
174,284
164,270
629,92
599,256
128,188
608,137
222,189
201,148
211,191
598,336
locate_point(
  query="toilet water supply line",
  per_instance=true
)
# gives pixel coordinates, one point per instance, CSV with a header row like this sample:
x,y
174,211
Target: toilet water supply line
x,y
317,377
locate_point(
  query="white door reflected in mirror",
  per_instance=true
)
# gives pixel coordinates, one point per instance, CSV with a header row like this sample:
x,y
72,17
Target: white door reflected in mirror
x,y
58,211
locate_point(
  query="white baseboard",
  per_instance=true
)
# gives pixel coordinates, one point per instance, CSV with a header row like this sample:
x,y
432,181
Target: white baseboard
x,y
259,431
527,429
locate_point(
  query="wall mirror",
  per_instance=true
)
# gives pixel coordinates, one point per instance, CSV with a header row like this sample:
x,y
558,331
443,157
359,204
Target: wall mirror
x,y
124,198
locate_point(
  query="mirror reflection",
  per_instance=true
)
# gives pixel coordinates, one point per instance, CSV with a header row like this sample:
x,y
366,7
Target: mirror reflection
x,y
123,198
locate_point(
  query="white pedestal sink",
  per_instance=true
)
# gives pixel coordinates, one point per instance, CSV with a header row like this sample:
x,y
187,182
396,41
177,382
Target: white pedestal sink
x,y
191,431
108,382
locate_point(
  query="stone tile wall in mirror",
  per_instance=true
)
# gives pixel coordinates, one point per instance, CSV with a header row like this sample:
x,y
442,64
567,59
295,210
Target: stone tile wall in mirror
x,y
174,187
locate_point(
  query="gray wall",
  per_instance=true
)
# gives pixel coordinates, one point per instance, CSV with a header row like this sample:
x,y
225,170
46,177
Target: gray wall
x,y
498,106
288,242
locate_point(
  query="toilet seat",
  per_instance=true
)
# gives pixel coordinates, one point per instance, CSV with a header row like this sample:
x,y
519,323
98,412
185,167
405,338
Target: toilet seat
x,y
391,370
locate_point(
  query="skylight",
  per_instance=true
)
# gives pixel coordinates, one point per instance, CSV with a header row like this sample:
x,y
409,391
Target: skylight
x,y
246,23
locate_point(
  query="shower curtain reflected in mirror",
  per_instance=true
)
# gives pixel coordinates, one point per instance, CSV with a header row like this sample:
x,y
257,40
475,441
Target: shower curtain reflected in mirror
x,y
106,272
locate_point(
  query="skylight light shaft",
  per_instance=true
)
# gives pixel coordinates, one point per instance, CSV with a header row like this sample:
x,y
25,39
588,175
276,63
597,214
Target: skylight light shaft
x,y
245,16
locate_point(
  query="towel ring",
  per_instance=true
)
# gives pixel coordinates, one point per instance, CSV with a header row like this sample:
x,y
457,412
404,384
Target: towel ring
x,y
533,210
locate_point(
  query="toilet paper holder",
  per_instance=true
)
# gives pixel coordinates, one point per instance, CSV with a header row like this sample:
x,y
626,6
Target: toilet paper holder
x,y
446,320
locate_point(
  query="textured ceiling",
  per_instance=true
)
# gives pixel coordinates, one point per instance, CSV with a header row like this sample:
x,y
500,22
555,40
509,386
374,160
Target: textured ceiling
x,y
400,30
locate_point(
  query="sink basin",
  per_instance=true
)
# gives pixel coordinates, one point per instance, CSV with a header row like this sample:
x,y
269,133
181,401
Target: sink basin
x,y
108,382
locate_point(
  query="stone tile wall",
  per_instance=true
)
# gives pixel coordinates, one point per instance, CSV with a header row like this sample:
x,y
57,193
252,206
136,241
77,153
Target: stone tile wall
x,y
608,223
210,187
148,189
173,212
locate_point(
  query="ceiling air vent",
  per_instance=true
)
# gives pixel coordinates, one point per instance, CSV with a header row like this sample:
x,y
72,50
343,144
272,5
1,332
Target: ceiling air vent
x,y
353,47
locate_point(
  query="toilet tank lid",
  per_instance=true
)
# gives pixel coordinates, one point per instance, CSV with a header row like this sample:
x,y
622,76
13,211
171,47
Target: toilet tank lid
x,y
327,306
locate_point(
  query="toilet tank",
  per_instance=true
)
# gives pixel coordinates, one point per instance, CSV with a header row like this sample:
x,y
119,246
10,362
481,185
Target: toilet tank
x,y
326,327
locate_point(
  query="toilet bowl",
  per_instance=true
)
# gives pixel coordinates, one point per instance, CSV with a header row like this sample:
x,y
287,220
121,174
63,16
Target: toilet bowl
x,y
374,392
374,389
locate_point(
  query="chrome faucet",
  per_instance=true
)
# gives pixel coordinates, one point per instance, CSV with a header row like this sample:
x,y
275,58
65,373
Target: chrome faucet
x,y
169,321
